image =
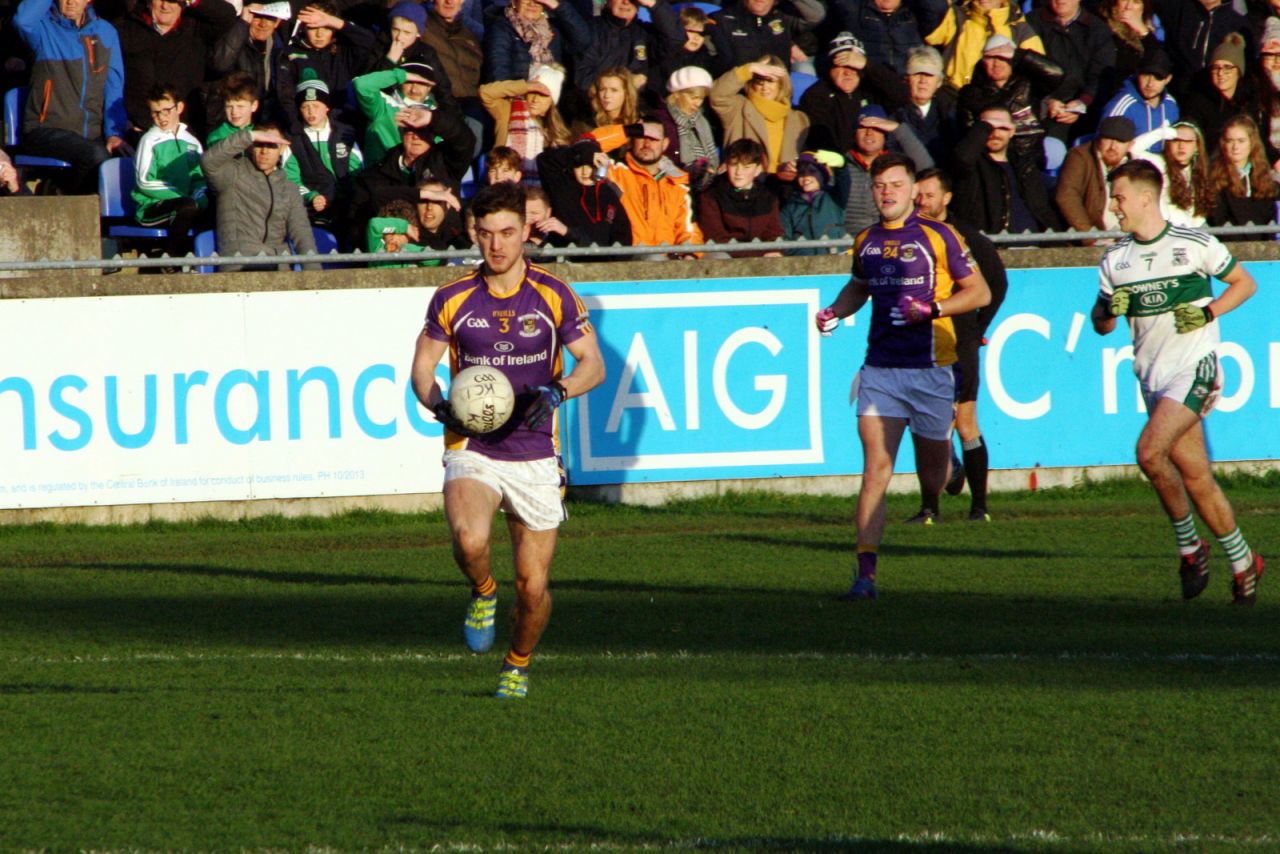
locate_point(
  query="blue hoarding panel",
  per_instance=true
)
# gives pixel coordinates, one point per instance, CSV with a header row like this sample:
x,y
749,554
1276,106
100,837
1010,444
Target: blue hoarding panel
x,y
727,378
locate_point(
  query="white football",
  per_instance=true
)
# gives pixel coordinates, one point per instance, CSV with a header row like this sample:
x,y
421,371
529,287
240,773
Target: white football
x,y
482,398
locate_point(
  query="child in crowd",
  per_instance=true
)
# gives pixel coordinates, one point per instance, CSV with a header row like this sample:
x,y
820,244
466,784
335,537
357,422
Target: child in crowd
x,y
503,163
323,157
738,206
239,93
544,228
589,205
170,188
810,213
394,229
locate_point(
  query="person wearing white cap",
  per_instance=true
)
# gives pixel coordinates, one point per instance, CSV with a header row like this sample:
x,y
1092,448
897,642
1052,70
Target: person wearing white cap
x,y
254,45
962,35
525,116
931,112
1013,79
690,140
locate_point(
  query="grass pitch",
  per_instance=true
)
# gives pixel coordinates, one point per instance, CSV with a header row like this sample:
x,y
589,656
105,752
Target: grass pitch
x,y
1032,684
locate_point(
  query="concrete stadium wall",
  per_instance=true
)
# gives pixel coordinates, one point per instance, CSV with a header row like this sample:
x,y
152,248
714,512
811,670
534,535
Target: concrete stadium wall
x,y
34,228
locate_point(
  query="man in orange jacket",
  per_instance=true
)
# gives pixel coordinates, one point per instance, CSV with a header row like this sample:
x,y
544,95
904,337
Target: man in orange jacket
x,y
655,192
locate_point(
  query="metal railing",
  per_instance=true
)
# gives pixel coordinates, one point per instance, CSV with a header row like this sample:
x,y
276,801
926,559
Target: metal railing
x,y
831,246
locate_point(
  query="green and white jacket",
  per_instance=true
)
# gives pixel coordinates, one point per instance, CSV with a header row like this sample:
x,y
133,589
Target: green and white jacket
x,y
167,166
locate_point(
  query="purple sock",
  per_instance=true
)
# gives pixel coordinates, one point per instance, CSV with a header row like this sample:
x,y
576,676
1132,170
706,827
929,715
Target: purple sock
x,y
867,565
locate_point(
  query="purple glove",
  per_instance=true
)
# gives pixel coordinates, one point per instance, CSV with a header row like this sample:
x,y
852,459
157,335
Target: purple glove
x,y
910,311
827,320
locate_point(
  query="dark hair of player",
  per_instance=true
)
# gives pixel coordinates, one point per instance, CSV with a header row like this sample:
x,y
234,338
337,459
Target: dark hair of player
x,y
890,159
502,196
1138,172
944,180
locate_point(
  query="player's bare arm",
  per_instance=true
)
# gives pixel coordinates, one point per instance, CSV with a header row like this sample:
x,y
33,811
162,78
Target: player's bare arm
x,y
427,354
1104,322
589,370
1240,287
969,294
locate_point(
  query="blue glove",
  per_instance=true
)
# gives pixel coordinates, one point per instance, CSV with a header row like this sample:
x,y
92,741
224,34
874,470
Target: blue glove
x,y
549,398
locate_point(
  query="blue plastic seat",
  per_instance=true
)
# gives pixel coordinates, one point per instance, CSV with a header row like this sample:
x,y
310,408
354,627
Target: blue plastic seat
x,y
14,100
115,201
206,245
708,8
800,81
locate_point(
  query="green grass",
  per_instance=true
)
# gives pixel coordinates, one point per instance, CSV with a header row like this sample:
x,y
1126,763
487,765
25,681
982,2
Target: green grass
x,y
1033,684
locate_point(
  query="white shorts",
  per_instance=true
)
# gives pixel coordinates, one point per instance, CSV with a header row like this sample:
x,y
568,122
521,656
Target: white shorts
x,y
531,490
925,397
1197,388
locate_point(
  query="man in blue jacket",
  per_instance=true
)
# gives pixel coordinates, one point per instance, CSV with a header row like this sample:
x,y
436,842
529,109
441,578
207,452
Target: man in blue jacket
x,y
1144,98
75,107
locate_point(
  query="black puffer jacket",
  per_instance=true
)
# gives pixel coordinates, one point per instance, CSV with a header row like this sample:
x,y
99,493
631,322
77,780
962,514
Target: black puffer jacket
x,y
741,37
983,198
1034,76
635,46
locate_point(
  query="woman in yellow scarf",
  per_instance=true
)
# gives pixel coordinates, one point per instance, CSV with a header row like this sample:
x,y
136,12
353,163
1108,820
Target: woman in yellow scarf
x,y
753,101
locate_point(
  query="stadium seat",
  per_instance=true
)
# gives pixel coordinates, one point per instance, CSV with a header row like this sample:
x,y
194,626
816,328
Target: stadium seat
x,y
470,185
14,100
115,202
1055,151
206,246
643,15
800,82
708,8
326,242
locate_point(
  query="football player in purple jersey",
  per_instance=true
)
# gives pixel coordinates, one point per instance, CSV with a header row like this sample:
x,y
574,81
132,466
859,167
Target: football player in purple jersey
x,y
918,274
515,317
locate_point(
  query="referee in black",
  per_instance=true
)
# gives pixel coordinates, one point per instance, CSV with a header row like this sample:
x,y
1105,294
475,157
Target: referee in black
x,y
933,187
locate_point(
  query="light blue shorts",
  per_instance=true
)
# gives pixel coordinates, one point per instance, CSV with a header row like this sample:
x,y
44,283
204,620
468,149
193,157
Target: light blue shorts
x,y
925,397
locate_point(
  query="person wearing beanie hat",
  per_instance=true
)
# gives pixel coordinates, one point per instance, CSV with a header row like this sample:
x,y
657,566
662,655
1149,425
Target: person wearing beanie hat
x,y
887,29
810,213
1144,99
833,102
323,156
1191,31
326,48
525,116
691,141
411,11
1229,90
1084,190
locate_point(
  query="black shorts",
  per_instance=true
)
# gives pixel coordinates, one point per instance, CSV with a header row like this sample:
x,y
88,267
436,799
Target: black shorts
x,y
967,378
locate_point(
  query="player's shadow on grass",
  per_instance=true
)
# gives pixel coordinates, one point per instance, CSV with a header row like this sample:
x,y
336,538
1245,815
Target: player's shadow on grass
x,y
589,836
273,576
789,539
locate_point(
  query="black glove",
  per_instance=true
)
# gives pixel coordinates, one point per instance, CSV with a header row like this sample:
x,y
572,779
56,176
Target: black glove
x,y
444,414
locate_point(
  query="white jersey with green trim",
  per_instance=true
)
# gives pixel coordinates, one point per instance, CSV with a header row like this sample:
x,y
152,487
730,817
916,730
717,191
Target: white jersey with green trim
x,y
1173,268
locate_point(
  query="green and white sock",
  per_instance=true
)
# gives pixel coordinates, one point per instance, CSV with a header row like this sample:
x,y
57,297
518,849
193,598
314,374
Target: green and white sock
x,y
1185,530
1237,550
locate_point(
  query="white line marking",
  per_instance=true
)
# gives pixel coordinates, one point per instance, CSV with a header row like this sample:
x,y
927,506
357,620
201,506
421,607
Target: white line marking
x,y
1073,337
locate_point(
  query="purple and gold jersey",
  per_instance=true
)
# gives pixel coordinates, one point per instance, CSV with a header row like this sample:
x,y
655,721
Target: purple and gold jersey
x,y
521,334
921,258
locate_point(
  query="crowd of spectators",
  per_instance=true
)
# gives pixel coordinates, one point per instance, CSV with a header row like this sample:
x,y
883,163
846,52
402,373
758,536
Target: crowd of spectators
x,y
639,122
